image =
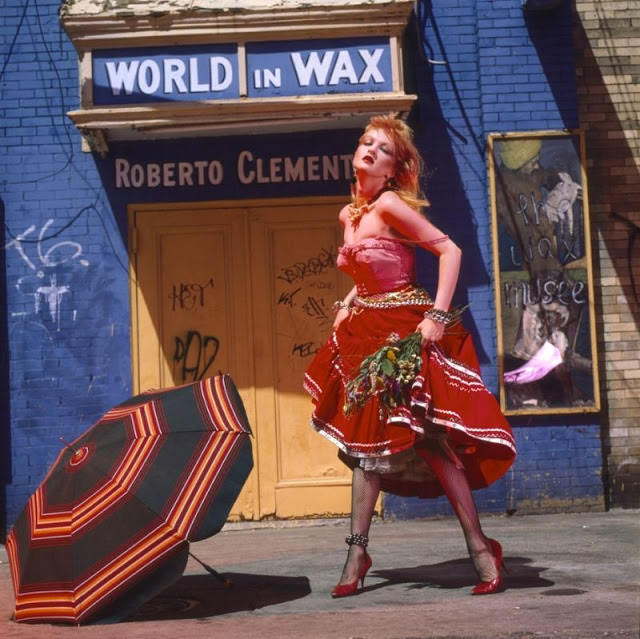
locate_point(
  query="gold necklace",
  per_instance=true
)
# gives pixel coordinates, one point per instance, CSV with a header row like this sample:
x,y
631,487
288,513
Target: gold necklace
x,y
355,213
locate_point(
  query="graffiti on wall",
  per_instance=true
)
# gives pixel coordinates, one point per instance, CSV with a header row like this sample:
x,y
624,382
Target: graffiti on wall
x,y
43,259
314,265
301,292
193,351
186,297
193,356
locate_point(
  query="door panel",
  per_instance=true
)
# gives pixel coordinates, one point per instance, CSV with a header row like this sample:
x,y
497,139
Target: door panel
x,y
297,283
190,317
246,290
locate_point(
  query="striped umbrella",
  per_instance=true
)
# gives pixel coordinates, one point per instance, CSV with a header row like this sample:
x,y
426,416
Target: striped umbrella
x,y
121,503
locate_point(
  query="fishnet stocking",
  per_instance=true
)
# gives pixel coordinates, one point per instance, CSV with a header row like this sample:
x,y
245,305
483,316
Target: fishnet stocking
x,y
456,487
365,488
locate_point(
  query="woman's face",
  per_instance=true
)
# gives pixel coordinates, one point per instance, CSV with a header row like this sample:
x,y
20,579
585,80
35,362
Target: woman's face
x,y
375,154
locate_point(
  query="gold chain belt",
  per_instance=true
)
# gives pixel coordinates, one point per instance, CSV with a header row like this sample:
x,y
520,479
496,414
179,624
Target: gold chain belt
x,y
409,296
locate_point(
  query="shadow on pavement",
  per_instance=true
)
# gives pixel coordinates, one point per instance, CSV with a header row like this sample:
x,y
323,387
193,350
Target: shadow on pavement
x,y
459,573
195,596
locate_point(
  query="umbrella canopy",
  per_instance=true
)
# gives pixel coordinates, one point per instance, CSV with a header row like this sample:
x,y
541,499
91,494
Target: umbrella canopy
x,y
120,504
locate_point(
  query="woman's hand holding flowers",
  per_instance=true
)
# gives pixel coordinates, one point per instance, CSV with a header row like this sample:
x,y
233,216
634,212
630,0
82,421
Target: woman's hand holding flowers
x,y
435,321
430,330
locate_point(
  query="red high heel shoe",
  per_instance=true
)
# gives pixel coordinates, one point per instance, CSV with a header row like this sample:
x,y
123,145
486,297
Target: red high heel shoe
x,y
495,585
345,590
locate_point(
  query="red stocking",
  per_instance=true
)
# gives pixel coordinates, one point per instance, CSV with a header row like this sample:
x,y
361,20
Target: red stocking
x,y
456,487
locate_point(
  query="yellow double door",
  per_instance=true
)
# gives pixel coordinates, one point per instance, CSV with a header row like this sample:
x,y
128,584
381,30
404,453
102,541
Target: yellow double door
x,y
246,289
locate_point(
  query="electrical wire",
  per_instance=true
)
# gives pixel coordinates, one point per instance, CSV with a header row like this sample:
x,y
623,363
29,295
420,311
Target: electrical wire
x,y
66,145
15,38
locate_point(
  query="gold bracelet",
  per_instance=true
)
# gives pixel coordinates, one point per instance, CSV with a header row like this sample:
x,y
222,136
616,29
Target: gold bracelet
x,y
338,305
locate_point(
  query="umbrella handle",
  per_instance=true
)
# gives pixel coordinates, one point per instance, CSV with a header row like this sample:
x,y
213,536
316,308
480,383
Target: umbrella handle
x,y
227,582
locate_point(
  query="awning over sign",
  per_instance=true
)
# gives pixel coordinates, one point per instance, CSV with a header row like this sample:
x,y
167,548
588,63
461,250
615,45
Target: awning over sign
x,y
177,68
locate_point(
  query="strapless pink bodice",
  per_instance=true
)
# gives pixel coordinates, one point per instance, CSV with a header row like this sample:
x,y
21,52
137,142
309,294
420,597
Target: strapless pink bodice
x,y
378,264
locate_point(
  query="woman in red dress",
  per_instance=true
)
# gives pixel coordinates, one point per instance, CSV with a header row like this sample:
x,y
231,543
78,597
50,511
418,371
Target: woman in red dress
x,y
448,436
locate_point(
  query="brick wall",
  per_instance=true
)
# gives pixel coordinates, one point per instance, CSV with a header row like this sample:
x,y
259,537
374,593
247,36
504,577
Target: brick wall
x,y
608,71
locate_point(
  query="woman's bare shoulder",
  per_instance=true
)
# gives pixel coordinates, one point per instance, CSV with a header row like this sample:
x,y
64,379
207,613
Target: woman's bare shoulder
x,y
389,198
391,206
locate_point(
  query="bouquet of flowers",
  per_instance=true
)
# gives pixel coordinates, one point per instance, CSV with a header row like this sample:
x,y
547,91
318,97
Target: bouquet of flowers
x,y
388,373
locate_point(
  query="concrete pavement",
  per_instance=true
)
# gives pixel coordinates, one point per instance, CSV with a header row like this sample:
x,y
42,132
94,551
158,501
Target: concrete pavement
x,y
572,576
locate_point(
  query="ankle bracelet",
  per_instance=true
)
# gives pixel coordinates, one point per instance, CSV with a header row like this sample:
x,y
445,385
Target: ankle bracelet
x,y
358,540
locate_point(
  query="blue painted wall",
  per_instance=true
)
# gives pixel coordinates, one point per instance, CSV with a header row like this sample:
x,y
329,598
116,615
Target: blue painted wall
x,y
65,282
64,299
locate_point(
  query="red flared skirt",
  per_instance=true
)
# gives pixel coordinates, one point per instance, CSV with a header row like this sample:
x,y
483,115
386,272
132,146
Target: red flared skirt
x,y
448,402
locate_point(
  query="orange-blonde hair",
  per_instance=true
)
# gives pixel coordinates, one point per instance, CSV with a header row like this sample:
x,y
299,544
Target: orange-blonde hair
x,y
409,165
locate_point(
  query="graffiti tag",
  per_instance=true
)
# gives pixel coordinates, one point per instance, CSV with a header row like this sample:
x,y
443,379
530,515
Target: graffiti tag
x,y
286,297
306,349
188,296
316,265
56,254
193,356
40,260
315,307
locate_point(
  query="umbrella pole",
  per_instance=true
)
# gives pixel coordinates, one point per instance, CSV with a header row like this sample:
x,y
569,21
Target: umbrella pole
x,y
227,582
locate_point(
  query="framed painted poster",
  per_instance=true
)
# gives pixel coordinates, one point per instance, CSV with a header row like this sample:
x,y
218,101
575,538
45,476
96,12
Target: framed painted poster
x,y
543,277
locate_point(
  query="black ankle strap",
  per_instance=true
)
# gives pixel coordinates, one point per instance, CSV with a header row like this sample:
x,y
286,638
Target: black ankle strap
x,y
358,540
